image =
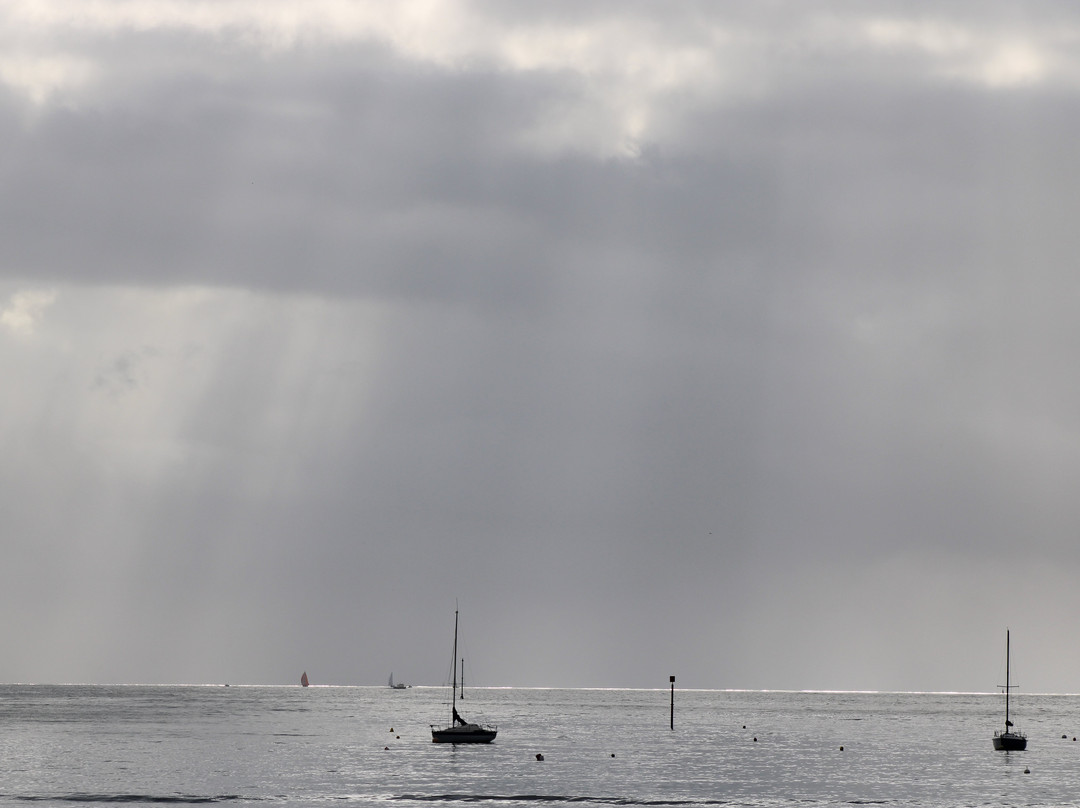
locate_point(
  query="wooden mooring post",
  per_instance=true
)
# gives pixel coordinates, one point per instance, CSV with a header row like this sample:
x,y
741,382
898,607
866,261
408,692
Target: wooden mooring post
x,y
672,680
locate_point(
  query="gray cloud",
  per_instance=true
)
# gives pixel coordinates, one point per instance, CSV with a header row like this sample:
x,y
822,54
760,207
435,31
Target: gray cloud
x,y
747,353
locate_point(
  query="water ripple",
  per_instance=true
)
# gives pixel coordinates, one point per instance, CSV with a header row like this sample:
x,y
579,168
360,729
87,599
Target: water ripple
x,y
156,799
550,798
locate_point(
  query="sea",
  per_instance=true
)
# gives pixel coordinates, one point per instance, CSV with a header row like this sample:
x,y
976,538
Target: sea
x,y
340,746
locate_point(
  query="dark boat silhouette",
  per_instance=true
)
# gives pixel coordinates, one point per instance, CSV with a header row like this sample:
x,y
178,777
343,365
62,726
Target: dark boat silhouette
x,y
1009,739
460,730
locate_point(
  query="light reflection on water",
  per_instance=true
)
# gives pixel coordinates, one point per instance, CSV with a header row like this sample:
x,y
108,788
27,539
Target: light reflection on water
x,y
293,746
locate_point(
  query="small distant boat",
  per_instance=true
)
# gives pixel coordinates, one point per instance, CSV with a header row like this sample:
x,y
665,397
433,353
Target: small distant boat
x,y
398,686
303,679
1009,739
460,730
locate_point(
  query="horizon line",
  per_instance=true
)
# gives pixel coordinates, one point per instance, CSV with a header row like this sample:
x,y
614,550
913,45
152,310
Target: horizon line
x,y
807,691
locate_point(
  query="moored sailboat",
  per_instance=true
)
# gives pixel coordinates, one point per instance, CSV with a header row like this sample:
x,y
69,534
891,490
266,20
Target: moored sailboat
x,y
460,730
398,686
1009,739
304,679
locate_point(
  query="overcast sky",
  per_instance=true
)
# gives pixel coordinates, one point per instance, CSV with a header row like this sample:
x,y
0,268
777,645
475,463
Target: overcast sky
x,y
737,341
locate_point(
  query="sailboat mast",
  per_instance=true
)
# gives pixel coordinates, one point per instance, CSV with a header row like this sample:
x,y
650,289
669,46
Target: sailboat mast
x,y
453,686
1007,668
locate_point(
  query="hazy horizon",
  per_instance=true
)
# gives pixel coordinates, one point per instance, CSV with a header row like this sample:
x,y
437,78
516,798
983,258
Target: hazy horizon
x,y
660,689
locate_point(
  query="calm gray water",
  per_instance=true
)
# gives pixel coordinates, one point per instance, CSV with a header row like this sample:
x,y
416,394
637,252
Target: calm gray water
x,y
64,745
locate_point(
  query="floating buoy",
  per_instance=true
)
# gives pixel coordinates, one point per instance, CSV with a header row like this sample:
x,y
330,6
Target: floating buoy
x,y
391,729
1063,737
613,754
744,726
386,748
398,737
841,749
755,739
539,756
1027,771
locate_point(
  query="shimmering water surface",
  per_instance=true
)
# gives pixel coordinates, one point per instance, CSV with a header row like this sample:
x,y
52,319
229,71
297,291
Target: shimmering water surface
x,y
358,745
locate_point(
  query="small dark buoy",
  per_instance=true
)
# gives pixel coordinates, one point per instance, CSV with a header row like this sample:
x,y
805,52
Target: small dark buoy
x,y
391,729
613,754
841,749
539,756
1074,737
1063,737
755,739
386,748
744,726
1027,771
398,737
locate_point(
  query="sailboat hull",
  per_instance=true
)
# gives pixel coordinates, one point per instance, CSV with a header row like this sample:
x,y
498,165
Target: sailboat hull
x,y
1010,742
470,733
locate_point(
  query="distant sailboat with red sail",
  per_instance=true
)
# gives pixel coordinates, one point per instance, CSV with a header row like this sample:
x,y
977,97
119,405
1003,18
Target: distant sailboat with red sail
x,y
303,679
